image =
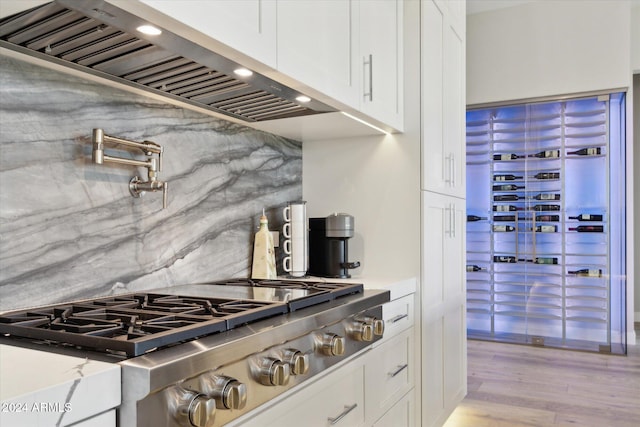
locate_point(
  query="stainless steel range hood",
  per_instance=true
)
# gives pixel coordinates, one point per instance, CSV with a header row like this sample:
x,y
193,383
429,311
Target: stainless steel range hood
x,y
101,39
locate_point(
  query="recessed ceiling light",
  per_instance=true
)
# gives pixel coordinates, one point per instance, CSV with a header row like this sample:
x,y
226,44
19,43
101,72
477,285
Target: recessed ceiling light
x,y
149,30
303,98
243,72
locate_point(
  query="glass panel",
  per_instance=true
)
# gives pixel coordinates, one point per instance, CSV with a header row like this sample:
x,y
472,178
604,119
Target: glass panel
x,y
546,224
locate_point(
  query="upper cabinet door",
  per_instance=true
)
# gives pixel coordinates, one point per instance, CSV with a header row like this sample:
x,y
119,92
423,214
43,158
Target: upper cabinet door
x,y
248,26
443,101
380,60
317,44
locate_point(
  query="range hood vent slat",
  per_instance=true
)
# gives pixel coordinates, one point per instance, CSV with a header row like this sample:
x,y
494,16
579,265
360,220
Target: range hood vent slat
x,y
100,38
151,75
135,60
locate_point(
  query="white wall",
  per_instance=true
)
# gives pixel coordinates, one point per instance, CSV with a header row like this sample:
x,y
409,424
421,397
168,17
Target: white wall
x,y
560,47
547,48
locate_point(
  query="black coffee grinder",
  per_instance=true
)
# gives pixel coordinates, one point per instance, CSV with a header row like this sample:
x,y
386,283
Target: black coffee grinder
x,y
328,251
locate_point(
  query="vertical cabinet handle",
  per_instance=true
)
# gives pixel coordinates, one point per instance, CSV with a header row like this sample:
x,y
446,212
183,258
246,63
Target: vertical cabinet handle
x,y
451,213
344,413
446,169
368,63
449,170
453,170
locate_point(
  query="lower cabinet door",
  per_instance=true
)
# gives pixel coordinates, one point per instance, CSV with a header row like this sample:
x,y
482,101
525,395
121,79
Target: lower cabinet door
x,y
390,373
337,400
400,415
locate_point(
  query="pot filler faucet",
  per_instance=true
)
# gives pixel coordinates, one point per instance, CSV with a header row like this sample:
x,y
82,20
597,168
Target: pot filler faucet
x,y
137,187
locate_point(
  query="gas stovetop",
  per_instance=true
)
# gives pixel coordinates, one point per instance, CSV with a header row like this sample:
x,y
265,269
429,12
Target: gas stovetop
x,y
134,324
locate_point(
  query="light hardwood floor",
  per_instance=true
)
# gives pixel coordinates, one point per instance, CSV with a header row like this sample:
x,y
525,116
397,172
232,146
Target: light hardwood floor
x,y
514,385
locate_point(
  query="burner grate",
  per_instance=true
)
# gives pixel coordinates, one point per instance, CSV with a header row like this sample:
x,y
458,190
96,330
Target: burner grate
x,y
136,323
317,292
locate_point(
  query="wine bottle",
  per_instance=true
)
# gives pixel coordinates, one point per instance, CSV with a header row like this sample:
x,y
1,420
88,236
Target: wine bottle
x,y
547,175
507,187
593,151
471,268
506,157
504,218
546,229
587,272
548,218
546,260
587,229
541,208
587,217
546,154
473,218
502,258
546,196
503,228
508,177
505,208
542,260
507,198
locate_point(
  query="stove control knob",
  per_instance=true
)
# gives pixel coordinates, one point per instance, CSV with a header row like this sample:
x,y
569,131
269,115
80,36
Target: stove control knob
x,y
377,324
191,408
361,331
332,345
202,411
228,392
298,361
273,372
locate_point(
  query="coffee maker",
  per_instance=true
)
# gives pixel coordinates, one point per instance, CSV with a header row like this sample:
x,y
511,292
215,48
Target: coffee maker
x,y
328,249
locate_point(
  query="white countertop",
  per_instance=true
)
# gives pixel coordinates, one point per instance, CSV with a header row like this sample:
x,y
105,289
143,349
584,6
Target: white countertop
x,y
40,388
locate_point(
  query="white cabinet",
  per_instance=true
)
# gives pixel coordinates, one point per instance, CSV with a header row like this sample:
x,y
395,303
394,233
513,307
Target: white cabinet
x,y
401,415
443,306
443,100
317,41
248,26
391,368
390,374
349,50
381,56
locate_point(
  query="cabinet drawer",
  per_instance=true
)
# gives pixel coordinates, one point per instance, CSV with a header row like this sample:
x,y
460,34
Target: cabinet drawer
x,y
398,315
400,415
390,372
336,400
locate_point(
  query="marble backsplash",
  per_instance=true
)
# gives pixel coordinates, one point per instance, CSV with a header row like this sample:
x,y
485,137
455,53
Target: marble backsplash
x,y
70,229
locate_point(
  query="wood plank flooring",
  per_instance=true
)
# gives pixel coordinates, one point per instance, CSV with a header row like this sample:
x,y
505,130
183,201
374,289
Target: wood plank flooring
x,y
514,385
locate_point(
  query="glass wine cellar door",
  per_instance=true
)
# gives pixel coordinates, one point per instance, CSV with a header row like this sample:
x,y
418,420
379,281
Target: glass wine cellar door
x,y
546,223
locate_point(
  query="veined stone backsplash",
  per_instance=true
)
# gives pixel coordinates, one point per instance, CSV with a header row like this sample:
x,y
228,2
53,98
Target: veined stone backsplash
x,y
71,230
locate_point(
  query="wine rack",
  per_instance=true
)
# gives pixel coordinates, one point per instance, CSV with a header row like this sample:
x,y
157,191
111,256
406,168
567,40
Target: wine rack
x,y
545,228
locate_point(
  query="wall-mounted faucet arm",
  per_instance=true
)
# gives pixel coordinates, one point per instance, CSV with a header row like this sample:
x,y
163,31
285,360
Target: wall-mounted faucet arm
x,y
137,187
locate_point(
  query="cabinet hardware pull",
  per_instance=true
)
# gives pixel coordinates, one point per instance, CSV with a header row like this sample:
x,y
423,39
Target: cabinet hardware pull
x,y
344,413
453,170
446,169
370,64
397,371
399,318
453,220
